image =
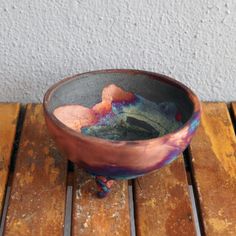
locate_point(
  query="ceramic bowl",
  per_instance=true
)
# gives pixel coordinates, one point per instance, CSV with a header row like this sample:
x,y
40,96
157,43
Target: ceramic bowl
x,y
111,159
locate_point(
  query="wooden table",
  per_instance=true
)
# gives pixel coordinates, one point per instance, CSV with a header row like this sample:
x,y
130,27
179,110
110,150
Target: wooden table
x,y
37,184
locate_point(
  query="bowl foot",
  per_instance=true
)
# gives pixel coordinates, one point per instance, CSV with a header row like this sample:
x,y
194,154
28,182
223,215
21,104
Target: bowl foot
x,y
104,185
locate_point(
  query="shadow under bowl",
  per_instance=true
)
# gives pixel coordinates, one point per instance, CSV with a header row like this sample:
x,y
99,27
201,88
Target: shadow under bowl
x,y
121,159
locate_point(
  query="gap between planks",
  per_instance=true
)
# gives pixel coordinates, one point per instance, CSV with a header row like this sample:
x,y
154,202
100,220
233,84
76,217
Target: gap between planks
x,y
19,128
232,113
196,210
69,204
6,202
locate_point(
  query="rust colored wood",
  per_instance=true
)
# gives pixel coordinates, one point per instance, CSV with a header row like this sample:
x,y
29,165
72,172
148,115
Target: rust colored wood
x,y
100,217
8,121
213,151
37,201
162,203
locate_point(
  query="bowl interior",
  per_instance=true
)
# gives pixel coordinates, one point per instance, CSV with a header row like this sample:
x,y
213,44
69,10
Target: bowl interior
x,y
85,89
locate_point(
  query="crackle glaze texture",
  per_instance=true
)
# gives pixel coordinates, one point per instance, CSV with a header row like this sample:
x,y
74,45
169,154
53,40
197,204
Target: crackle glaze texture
x,y
43,41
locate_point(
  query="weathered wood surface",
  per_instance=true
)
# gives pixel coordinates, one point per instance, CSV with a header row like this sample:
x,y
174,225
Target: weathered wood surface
x,y
8,121
37,202
100,217
213,151
162,203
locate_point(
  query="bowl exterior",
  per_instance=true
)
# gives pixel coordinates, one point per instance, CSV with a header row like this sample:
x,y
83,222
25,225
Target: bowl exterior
x,y
123,159
120,159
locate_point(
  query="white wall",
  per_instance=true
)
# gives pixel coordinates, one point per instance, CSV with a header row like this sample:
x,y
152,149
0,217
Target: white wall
x,y
42,41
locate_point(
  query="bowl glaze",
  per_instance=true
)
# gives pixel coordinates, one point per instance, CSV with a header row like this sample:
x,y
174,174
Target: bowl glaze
x,y
121,159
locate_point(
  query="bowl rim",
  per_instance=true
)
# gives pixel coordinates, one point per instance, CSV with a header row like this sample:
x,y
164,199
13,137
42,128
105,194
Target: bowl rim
x,y
166,79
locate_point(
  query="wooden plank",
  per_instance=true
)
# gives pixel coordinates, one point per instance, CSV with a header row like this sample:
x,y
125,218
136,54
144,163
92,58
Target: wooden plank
x,y
213,151
9,113
100,217
162,203
37,202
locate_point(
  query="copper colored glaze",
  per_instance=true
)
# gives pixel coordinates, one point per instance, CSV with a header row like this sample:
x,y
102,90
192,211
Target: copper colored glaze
x,y
123,159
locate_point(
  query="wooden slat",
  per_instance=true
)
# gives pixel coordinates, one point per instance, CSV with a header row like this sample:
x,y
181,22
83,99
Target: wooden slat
x,y
213,150
100,217
38,193
162,203
8,122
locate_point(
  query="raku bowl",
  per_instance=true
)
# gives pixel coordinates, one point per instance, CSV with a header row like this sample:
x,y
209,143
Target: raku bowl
x,y
108,159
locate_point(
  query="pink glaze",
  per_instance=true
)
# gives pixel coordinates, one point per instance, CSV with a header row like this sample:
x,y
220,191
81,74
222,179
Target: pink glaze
x,y
77,116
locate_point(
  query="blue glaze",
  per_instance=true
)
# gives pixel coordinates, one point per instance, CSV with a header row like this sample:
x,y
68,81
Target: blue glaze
x,y
135,120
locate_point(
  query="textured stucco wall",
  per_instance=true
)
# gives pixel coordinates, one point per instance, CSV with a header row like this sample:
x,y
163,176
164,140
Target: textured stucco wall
x,y
42,41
